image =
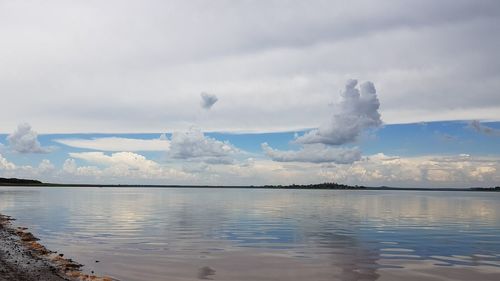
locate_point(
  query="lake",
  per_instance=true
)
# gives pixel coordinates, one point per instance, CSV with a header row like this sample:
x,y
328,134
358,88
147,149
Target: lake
x,y
243,234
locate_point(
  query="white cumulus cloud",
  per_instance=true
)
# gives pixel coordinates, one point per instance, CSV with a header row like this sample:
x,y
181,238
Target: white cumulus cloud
x,y
46,167
5,164
69,165
421,171
25,140
193,144
356,111
121,165
208,100
44,171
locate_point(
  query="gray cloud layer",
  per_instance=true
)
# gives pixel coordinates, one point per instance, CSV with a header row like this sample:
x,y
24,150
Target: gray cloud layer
x,y
316,153
272,62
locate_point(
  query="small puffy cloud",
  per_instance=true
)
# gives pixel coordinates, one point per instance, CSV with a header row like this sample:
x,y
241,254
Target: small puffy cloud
x,y
5,164
315,153
193,144
119,144
356,111
483,129
46,167
25,140
208,100
69,166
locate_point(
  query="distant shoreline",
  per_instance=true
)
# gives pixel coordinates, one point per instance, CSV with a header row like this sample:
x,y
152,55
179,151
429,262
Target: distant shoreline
x,y
322,186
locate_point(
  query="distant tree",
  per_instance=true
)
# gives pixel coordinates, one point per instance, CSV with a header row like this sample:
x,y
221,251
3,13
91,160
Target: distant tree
x,y
15,181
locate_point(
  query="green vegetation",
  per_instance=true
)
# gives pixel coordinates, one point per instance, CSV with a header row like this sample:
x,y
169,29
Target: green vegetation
x,y
327,185
14,181
496,188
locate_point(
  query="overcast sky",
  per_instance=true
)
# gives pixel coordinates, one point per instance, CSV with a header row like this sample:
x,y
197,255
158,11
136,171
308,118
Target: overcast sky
x,y
180,69
140,66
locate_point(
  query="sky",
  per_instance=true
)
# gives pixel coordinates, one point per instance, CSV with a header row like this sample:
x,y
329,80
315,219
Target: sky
x,y
397,93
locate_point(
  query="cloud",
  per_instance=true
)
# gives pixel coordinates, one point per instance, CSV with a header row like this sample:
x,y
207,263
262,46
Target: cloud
x,y
5,164
379,169
253,55
118,144
45,170
374,170
316,153
46,167
483,129
422,171
25,140
69,165
356,111
129,159
120,165
193,144
71,168
196,168
208,100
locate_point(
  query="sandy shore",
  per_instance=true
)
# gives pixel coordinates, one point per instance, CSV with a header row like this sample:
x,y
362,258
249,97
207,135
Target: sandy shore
x,y
23,258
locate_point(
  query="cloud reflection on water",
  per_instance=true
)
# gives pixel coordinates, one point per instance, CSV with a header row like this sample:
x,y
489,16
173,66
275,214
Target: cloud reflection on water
x,y
339,235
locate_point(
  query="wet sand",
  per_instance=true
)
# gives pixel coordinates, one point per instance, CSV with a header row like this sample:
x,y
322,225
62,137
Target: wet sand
x,y
22,258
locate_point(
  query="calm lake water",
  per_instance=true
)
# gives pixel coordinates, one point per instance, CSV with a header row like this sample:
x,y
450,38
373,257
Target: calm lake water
x,y
240,234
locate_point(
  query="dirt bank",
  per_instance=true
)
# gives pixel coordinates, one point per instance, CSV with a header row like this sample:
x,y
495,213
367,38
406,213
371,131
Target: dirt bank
x,y
22,258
